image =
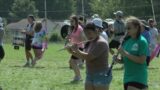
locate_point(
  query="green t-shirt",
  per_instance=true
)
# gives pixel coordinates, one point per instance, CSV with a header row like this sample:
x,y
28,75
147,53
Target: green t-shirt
x,y
135,72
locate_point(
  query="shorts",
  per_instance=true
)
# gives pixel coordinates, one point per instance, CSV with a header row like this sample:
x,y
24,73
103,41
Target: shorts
x,y
148,60
135,84
2,54
74,57
98,79
35,47
114,44
28,44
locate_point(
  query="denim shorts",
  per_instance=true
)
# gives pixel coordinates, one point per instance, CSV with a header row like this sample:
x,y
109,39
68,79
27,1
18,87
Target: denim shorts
x,y
98,79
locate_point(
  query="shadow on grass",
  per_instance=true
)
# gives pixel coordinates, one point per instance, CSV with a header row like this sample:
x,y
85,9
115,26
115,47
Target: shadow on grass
x,y
1,88
118,69
64,67
36,67
72,83
152,68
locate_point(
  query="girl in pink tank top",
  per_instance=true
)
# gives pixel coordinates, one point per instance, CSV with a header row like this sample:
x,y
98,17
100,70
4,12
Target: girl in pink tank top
x,y
75,37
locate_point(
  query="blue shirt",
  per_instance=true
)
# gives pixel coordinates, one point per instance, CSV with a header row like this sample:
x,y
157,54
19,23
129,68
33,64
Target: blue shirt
x,y
146,34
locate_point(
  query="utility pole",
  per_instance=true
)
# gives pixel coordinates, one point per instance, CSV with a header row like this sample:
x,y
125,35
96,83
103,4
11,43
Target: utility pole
x,y
153,11
45,13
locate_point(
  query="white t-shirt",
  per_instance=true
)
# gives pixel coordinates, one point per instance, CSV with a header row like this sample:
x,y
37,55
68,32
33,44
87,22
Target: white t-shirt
x,y
38,38
104,35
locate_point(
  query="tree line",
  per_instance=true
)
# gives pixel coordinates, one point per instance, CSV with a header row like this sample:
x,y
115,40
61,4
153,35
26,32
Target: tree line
x,y
62,9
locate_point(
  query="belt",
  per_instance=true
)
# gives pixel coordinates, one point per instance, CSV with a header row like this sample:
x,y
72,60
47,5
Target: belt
x,y
119,34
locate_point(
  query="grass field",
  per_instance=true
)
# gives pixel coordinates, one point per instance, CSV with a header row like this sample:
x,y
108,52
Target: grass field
x,y
52,72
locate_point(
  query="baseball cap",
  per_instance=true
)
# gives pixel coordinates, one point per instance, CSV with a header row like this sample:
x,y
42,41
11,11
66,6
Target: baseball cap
x,y
118,13
98,22
95,16
150,20
32,17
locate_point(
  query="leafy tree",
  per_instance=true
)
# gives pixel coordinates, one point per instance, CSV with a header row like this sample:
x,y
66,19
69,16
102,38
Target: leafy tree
x,y
5,6
21,9
105,8
56,9
87,7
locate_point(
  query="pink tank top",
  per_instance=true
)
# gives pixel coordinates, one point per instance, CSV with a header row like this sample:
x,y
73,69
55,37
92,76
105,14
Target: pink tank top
x,y
76,37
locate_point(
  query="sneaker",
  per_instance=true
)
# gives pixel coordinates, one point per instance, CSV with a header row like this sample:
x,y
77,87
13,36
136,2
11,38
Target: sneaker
x,y
76,80
33,63
26,65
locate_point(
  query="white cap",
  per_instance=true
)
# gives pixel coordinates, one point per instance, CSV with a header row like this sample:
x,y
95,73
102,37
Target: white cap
x,y
95,16
118,13
98,22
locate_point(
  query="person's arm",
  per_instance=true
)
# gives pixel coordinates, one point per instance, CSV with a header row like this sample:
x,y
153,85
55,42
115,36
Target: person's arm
x,y
83,37
117,59
31,33
81,54
137,59
45,41
91,55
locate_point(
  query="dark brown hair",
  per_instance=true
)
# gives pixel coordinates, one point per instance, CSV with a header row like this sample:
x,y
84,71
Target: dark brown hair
x,y
90,26
75,18
38,26
32,17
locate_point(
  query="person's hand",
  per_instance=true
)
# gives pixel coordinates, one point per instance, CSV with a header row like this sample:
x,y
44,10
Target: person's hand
x,y
43,49
116,59
67,38
69,49
23,31
122,51
75,48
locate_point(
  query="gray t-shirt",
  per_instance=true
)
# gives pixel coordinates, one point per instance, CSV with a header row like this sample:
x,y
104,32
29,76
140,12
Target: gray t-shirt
x,y
119,28
99,49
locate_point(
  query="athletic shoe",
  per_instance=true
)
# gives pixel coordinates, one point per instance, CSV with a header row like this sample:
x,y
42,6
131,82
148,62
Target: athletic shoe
x,y
33,63
26,65
76,80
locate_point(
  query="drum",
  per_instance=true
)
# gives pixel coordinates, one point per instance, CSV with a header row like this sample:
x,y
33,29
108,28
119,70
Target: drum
x,y
18,39
64,31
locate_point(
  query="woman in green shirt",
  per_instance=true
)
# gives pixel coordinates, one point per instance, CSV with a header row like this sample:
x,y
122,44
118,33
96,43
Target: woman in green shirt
x,y
134,52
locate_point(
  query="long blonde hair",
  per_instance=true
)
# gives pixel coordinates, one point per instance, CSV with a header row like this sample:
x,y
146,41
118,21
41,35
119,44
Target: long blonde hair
x,y
38,26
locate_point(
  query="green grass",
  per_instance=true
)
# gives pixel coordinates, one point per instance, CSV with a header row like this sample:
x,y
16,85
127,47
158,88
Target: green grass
x,y
52,72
